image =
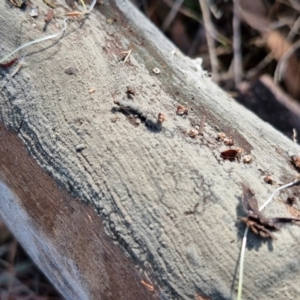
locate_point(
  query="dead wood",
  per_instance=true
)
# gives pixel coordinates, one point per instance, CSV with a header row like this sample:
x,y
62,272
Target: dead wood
x,y
165,200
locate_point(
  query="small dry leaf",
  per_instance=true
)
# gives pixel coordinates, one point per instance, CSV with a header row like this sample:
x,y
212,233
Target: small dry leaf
x,y
256,221
230,154
296,160
9,64
148,286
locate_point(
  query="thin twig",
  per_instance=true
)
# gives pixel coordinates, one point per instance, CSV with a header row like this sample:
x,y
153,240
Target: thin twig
x,y
185,11
285,21
282,63
127,56
294,30
210,41
196,40
84,6
242,258
214,9
91,6
222,39
171,16
262,64
295,4
276,191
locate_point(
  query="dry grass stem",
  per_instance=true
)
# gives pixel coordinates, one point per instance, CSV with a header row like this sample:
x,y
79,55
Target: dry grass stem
x,y
237,45
210,41
127,56
83,5
261,65
294,30
282,63
74,13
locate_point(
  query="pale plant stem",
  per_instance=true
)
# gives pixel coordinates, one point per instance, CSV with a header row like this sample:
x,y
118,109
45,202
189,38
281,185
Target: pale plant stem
x,y
294,30
237,45
241,273
44,38
243,248
83,5
92,6
276,191
282,63
262,64
209,29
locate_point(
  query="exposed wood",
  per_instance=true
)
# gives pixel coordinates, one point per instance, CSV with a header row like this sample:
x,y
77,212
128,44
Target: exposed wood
x,y
65,237
141,177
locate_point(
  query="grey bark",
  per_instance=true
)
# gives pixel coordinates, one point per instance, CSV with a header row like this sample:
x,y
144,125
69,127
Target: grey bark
x,y
143,179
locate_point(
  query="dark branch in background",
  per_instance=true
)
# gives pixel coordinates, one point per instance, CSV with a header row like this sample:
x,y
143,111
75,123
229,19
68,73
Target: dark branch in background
x,y
210,41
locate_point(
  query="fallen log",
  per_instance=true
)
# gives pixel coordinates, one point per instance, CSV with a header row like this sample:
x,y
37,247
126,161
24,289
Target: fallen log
x,y
112,191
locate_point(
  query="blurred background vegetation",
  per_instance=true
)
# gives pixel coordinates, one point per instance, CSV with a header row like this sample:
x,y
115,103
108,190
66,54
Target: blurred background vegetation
x,y
20,279
251,47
